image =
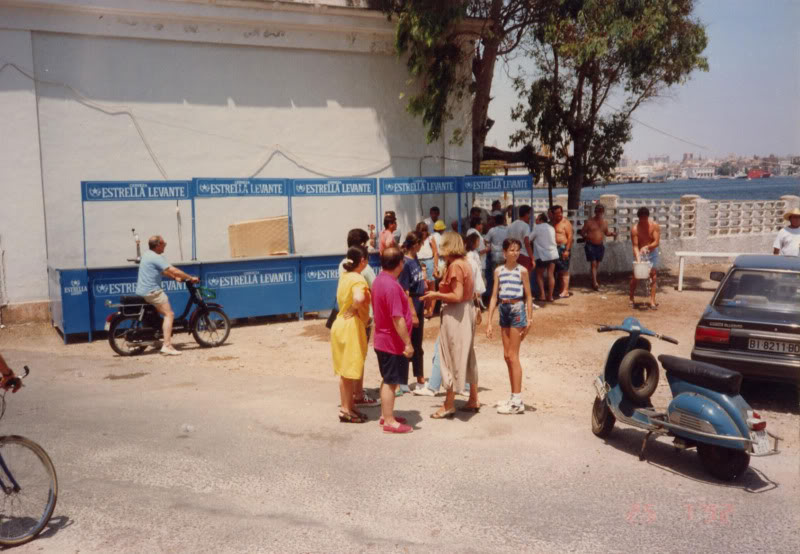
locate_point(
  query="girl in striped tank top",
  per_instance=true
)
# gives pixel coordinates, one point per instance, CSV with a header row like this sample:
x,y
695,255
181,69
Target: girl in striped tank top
x,y
512,292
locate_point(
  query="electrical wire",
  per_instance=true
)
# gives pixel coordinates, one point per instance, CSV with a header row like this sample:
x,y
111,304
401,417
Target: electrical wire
x,y
670,135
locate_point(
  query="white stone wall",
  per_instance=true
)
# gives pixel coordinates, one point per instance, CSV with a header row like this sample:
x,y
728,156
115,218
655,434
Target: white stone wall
x,y
158,89
23,249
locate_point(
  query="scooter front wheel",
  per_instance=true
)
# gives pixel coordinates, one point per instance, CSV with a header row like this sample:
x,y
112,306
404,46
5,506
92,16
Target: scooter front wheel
x,y
725,464
211,327
602,418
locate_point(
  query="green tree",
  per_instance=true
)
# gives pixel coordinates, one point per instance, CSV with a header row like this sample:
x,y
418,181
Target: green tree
x,y
438,37
589,55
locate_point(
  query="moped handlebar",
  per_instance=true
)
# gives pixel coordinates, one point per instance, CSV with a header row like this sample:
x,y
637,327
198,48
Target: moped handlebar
x,y
604,329
668,339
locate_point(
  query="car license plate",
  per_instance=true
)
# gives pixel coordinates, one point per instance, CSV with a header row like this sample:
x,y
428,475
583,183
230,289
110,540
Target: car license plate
x,y
760,442
600,387
778,346
107,326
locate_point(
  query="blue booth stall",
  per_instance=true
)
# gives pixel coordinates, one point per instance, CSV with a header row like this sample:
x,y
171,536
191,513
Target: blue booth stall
x,y
247,287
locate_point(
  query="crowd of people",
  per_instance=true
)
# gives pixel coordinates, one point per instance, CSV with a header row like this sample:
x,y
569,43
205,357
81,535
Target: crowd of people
x,y
504,267
433,270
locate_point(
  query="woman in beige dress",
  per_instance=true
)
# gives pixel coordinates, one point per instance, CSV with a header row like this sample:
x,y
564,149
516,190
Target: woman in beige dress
x,y
457,331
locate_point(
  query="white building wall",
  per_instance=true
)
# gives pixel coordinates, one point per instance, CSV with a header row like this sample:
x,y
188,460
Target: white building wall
x,y
174,90
23,250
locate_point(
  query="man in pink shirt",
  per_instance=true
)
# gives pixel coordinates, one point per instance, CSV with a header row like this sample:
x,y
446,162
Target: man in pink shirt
x,y
387,235
392,340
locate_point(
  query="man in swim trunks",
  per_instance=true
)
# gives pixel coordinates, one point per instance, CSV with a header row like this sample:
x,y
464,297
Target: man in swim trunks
x,y
594,232
564,236
646,236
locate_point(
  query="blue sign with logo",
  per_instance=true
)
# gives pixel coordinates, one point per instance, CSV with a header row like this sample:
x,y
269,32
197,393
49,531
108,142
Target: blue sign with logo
x,y
334,187
492,183
222,188
420,185
320,279
255,287
70,309
116,191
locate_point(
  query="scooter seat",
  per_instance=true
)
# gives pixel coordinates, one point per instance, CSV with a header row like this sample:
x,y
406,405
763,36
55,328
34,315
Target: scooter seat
x,y
132,300
702,374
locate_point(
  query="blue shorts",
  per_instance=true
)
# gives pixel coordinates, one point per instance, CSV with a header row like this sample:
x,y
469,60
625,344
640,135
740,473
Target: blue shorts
x,y
513,315
594,252
651,257
562,264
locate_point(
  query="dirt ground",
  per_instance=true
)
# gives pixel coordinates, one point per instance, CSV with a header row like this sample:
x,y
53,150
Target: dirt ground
x,y
560,356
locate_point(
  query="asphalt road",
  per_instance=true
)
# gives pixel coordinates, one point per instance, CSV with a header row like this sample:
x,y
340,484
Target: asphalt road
x,y
193,459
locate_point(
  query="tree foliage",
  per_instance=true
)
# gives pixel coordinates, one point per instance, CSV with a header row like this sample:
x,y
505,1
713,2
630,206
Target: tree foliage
x,y
590,55
438,37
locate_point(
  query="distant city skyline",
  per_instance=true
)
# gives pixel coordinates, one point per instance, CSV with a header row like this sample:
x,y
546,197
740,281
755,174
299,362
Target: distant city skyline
x,y
745,105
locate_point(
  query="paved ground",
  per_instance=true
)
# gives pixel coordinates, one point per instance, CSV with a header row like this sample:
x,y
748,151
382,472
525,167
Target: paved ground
x,y
238,449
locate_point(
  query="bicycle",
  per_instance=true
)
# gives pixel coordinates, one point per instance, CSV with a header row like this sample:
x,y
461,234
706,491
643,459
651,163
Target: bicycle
x,y
29,486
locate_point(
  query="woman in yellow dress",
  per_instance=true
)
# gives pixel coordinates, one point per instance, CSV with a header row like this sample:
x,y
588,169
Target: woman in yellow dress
x,y
349,331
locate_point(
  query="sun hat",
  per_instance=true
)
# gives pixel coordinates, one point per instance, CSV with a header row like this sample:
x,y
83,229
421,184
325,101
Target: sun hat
x,y
439,225
790,213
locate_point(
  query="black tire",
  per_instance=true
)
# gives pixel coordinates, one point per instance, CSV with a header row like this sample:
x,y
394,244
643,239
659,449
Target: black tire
x,y
32,487
211,327
118,335
725,464
638,376
602,418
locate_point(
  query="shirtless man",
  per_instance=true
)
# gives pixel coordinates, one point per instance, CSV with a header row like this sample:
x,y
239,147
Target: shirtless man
x,y
646,236
564,236
594,231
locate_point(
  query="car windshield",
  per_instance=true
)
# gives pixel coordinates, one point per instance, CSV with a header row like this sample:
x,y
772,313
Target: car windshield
x,y
772,291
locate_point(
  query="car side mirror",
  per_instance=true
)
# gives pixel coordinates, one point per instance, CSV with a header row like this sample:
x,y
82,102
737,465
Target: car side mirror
x,y
717,275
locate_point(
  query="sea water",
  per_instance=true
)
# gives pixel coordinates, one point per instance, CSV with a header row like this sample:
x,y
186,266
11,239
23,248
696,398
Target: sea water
x,y
771,188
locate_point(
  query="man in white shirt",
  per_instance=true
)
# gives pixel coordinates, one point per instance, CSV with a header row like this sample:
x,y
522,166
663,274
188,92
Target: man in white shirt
x,y
495,237
787,243
434,217
520,230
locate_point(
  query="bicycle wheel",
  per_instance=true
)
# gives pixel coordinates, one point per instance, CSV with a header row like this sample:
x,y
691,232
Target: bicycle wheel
x,y
211,327
29,490
119,334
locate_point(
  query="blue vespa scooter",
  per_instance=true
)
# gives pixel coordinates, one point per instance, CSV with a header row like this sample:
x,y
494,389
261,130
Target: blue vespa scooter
x,y
706,411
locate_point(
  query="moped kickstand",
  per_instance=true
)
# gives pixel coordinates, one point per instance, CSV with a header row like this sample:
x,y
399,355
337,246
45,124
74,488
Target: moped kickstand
x,y
644,446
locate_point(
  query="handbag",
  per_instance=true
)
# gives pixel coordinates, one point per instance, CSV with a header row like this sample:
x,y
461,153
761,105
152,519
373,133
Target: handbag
x,y
332,317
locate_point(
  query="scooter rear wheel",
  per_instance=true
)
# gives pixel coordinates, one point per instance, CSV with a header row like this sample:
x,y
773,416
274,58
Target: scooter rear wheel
x,y
120,333
602,419
725,464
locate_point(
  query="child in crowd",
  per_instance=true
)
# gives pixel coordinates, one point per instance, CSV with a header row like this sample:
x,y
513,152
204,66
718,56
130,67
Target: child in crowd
x,y
472,244
428,257
412,279
512,291
349,331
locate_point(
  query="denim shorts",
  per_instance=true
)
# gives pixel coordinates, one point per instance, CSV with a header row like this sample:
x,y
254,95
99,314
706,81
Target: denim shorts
x,y
513,315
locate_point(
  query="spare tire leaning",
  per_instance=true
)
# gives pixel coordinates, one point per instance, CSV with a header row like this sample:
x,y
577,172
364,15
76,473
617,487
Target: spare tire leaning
x,y
638,376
